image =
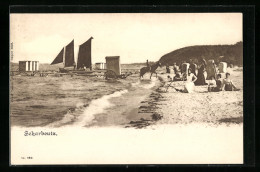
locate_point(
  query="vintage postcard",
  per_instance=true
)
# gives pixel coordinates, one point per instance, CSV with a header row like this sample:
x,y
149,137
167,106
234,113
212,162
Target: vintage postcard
x,y
126,88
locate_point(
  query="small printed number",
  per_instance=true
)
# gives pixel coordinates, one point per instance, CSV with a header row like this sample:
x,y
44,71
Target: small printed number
x,y
29,157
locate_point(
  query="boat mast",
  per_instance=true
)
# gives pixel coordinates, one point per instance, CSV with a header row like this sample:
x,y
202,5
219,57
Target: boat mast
x,y
64,56
77,59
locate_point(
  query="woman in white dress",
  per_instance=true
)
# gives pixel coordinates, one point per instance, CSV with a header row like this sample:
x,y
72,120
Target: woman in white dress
x,y
189,85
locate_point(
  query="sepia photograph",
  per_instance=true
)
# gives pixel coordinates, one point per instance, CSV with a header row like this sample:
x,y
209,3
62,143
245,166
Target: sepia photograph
x,y
126,88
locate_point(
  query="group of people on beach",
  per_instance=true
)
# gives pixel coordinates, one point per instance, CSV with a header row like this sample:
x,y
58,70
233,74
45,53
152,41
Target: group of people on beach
x,y
216,85
193,77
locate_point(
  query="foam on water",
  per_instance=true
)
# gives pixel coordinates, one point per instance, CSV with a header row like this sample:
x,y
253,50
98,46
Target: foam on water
x,y
66,119
84,115
97,106
135,83
145,83
148,86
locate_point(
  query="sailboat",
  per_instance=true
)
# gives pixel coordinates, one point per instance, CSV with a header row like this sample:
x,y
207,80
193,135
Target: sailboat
x,y
66,56
84,55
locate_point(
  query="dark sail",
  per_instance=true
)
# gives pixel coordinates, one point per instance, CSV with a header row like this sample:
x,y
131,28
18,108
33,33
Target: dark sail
x,y
84,56
59,58
69,54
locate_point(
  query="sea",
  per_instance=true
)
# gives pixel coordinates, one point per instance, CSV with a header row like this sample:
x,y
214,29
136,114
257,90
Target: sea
x,y
77,100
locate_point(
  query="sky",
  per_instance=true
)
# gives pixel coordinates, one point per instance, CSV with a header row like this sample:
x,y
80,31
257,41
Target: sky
x,y
134,37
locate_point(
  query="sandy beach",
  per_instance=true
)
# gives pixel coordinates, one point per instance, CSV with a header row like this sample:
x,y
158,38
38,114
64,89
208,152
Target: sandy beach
x,y
201,106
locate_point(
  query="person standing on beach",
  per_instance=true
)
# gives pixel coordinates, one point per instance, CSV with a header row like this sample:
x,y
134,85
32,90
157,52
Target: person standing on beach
x,y
193,67
201,77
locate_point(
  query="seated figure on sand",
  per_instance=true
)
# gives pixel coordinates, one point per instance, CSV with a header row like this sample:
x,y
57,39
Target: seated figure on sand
x,y
189,85
211,83
178,77
215,85
228,84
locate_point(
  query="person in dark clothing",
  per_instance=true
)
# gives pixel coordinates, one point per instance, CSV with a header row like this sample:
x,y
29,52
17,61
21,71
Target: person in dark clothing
x,y
219,83
228,84
201,77
217,86
147,64
193,67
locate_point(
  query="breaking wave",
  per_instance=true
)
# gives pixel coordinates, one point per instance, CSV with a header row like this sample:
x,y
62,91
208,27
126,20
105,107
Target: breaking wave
x,y
97,106
83,114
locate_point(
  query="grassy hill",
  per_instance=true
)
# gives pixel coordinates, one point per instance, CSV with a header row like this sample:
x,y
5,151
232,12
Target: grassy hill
x,y
232,54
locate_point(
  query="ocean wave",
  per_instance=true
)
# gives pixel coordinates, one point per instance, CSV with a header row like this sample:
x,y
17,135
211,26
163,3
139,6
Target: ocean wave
x,y
97,106
145,83
83,115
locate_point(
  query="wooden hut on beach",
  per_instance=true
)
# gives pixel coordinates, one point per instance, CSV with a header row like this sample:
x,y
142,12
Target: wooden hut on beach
x,y
222,67
113,64
100,66
28,66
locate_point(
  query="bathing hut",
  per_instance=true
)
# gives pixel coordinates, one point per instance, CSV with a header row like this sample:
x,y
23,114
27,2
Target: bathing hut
x,y
211,69
113,63
222,67
28,66
100,66
185,67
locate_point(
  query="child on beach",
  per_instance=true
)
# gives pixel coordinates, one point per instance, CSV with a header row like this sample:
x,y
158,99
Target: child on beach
x,y
228,84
